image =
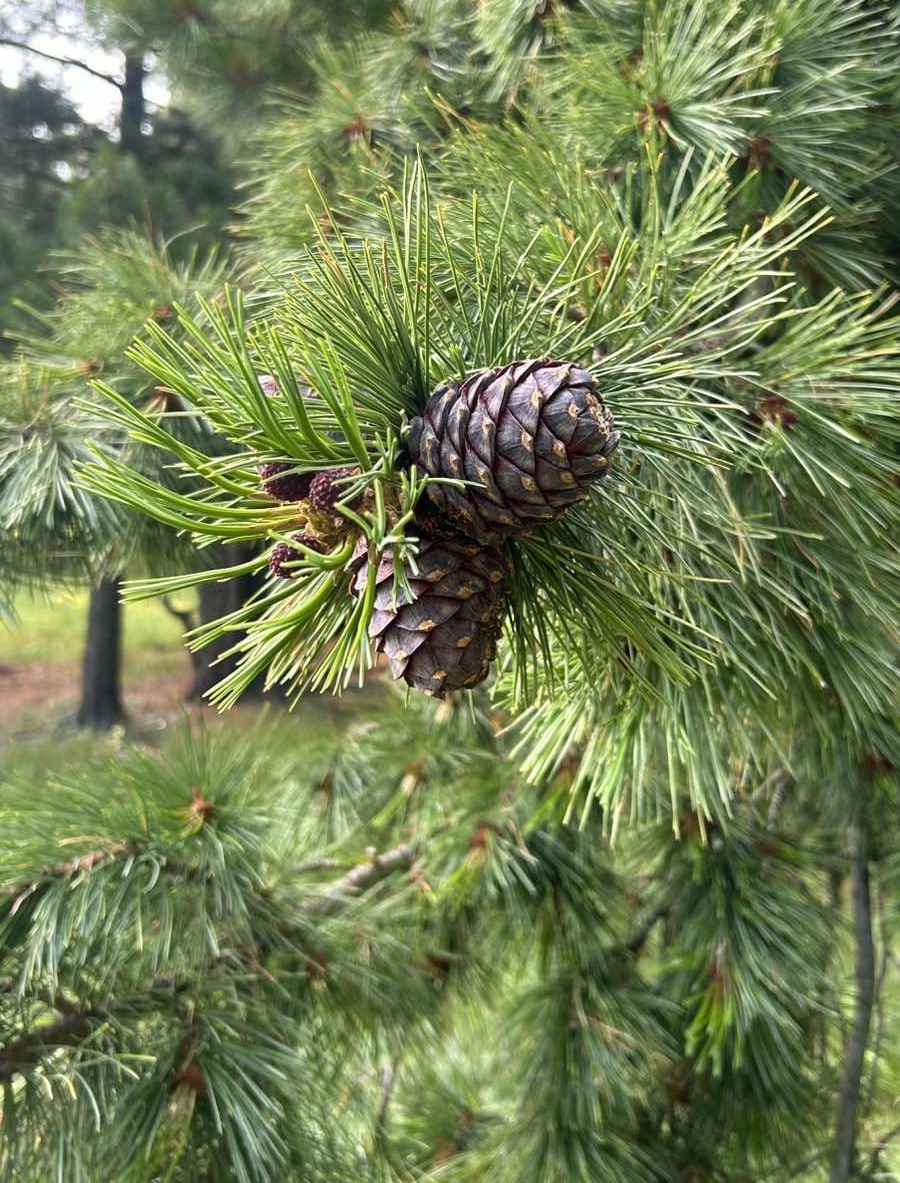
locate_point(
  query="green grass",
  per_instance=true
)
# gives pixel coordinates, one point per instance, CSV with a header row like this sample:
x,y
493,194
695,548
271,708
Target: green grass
x,y
50,628
31,761
43,649
316,722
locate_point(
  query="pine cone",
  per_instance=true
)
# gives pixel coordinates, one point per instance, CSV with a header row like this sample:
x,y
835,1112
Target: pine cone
x,y
533,434
443,637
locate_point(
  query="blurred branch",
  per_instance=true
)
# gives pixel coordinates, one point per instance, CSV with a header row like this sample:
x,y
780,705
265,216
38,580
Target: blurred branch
x,y
29,1049
315,864
62,61
58,1001
186,618
778,795
844,1150
364,876
637,940
879,1148
379,866
771,784
878,1001
388,1081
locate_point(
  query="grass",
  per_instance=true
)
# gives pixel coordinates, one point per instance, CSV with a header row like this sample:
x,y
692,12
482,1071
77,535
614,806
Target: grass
x,y
50,628
40,661
315,723
40,656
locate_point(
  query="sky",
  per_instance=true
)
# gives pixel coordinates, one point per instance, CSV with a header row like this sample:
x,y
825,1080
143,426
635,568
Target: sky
x,y
97,101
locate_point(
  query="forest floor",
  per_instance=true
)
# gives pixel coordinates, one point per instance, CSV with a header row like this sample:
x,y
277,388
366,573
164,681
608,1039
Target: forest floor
x,y
40,664
40,669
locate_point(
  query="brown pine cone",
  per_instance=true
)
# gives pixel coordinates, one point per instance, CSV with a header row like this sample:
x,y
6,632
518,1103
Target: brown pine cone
x,y
329,487
444,636
532,434
283,554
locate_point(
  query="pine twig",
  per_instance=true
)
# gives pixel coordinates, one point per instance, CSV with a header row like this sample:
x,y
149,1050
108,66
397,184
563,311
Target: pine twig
x,y
61,61
29,1049
363,876
844,1151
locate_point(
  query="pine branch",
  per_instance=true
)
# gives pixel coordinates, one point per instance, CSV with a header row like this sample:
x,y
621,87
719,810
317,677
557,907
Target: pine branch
x,y
18,894
62,61
333,899
58,1001
362,877
28,1050
843,1160
83,862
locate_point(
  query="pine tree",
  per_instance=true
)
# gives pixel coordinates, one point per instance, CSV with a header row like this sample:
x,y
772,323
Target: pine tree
x,y
49,426
589,921
41,136
163,172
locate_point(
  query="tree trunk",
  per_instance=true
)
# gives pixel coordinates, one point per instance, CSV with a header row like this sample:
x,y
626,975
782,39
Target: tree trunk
x,y
844,1151
101,695
214,601
131,116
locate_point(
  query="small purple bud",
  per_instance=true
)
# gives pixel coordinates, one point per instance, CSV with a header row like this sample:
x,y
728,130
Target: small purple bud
x,y
283,553
325,492
280,482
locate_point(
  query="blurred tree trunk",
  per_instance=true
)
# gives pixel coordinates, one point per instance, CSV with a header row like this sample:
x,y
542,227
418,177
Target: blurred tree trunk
x,y
101,677
101,698
132,113
214,601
